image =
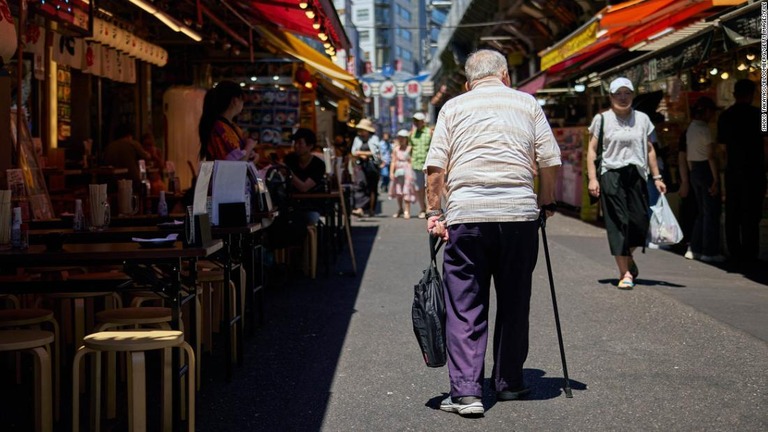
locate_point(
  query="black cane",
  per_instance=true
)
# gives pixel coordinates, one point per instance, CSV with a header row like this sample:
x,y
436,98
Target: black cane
x,y
543,220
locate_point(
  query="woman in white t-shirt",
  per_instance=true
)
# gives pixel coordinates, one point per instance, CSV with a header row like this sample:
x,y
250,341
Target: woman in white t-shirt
x,y
627,158
704,179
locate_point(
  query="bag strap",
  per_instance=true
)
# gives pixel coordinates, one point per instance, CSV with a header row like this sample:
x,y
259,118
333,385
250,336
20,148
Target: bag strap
x,y
435,244
600,138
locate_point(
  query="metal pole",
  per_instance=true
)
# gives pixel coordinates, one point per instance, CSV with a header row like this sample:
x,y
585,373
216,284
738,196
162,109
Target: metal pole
x,y
16,151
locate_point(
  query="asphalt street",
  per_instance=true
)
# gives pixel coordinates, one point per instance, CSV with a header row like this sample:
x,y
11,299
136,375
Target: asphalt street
x,y
686,350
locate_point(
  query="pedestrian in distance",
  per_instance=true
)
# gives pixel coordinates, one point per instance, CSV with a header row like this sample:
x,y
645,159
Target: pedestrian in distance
x,y
739,130
704,175
488,145
366,152
386,160
627,158
420,138
401,172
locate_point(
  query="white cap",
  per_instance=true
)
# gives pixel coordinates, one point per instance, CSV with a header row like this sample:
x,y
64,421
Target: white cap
x,y
619,83
402,133
419,116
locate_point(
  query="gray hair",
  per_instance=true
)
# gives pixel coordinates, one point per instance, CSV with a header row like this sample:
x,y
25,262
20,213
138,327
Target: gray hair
x,y
484,63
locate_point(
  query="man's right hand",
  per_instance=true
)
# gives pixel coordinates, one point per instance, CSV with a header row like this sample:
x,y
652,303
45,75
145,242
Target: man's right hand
x,y
436,227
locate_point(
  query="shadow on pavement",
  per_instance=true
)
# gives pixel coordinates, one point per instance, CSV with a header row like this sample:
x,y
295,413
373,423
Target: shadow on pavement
x,y
641,282
542,388
291,360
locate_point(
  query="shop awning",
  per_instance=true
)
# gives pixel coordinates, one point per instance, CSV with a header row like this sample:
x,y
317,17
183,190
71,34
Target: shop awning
x,y
287,15
533,84
630,25
666,61
294,47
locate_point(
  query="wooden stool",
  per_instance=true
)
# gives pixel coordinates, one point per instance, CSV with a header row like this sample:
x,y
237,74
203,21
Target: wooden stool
x,y
17,318
310,252
134,317
134,343
10,300
35,342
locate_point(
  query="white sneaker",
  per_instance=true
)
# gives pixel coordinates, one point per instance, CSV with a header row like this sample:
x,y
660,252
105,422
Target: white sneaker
x,y
713,258
690,255
652,245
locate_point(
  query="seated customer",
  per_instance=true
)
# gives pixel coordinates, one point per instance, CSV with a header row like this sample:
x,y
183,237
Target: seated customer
x,y
307,171
125,152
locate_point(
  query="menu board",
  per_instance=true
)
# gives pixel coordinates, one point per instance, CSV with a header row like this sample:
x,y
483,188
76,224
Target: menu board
x,y
64,100
270,114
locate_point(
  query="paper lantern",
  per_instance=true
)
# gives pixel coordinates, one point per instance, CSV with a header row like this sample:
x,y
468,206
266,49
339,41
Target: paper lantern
x,y
7,33
117,38
162,57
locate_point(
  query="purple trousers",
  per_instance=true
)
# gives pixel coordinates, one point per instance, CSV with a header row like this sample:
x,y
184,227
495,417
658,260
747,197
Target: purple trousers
x,y
475,253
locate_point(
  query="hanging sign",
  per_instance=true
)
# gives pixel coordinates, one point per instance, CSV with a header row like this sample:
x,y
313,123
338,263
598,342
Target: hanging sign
x,y
413,89
388,90
367,90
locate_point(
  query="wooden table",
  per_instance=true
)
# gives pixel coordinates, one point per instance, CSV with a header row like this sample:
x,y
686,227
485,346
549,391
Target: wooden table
x,y
157,267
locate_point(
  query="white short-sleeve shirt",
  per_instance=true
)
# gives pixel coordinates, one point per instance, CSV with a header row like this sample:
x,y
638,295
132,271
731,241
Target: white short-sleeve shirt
x,y
489,141
699,139
624,143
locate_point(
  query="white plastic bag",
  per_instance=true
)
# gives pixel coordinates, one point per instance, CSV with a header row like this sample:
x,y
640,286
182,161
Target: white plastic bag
x,y
664,229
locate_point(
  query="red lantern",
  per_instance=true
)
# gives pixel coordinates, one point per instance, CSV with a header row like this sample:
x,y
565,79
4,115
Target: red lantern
x,y
302,75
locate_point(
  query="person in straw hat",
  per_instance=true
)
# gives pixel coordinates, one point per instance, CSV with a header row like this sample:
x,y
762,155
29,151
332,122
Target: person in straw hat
x,y
367,155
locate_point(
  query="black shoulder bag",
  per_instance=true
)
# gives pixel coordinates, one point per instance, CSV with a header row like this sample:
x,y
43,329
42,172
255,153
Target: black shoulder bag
x,y
598,157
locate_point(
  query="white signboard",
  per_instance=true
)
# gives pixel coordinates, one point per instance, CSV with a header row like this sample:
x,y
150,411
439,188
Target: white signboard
x,y
412,89
388,89
367,90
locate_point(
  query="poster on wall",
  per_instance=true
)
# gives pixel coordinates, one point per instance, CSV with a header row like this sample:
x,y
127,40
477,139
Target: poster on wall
x,y
570,182
35,189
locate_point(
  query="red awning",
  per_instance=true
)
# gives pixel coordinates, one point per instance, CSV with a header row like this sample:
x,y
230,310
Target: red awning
x,y
630,23
634,13
290,17
532,85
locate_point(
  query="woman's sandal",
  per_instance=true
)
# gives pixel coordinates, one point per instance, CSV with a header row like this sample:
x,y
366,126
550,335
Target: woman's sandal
x,y
626,283
397,215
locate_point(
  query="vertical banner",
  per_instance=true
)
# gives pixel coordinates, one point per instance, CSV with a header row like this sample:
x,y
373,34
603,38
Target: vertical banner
x,y
392,119
92,58
400,110
34,42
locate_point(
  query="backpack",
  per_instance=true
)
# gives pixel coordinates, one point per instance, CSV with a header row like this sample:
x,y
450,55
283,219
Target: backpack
x,y
278,179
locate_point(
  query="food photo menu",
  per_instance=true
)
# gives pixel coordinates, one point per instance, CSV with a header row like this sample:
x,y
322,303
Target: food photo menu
x,y
269,115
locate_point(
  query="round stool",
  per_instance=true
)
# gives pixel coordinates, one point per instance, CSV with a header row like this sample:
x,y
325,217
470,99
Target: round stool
x,y
134,343
134,317
36,342
15,318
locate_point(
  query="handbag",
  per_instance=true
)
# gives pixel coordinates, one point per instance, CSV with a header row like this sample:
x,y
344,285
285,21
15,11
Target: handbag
x,y
664,229
598,157
428,311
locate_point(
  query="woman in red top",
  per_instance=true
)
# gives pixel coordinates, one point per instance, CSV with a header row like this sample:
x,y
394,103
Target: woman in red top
x,y
220,138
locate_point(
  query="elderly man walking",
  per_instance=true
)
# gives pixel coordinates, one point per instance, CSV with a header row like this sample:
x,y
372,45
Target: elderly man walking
x,y
488,146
